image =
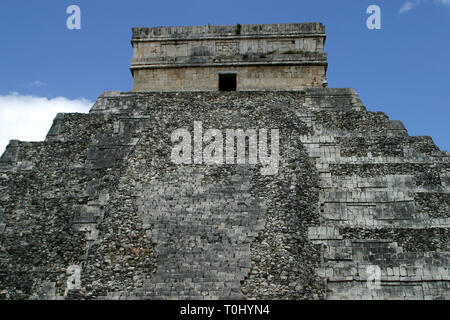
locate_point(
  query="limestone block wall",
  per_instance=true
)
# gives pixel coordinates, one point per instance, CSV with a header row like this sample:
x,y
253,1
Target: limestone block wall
x,y
383,203
249,78
266,57
226,47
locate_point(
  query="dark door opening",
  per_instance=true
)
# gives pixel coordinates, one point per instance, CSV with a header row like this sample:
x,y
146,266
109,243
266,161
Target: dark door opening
x,y
227,82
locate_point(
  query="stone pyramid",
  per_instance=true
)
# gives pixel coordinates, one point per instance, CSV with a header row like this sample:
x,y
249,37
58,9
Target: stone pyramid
x,y
358,209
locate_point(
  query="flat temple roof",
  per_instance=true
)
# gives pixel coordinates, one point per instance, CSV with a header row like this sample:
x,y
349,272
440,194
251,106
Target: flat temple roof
x,y
246,30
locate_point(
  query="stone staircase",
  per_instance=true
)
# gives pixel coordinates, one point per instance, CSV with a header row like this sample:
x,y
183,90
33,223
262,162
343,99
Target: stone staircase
x,y
203,232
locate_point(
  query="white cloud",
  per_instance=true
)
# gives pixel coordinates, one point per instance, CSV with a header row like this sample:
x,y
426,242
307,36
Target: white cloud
x,y
28,118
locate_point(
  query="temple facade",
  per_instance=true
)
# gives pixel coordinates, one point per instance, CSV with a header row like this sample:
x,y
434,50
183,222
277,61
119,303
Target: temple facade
x,y
250,57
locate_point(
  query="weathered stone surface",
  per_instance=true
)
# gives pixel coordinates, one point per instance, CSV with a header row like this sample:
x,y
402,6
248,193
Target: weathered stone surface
x,y
353,191
382,204
263,57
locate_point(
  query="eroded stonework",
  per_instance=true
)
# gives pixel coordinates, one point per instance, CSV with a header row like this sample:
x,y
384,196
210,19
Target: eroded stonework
x,y
260,56
354,193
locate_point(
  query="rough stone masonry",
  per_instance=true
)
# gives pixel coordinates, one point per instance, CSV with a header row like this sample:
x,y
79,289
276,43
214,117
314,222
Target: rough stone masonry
x,y
244,58
99,211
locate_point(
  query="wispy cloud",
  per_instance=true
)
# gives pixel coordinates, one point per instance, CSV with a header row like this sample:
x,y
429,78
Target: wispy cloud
x,y
411,4
38,83
443,2
29,118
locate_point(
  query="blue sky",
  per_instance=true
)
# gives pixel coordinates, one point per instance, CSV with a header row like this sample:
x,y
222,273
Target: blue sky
x,y
402,69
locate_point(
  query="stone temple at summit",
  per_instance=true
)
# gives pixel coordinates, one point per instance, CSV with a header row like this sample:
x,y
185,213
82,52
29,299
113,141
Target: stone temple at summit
x,y
357,208
229,58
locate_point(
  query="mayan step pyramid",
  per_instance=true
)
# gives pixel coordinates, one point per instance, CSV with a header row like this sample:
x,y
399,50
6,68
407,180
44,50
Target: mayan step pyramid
x,y
357,208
